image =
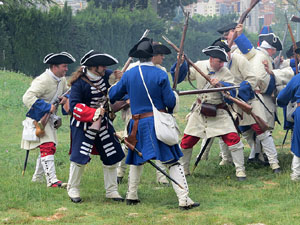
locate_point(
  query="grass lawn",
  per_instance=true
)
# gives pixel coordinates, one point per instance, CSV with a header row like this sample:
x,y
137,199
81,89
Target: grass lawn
x,y
264,198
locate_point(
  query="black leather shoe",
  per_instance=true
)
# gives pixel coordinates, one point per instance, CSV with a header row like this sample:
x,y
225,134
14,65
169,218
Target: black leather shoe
x,y
241,178
132,201
76,200
118,199
119,180
196,204
278,170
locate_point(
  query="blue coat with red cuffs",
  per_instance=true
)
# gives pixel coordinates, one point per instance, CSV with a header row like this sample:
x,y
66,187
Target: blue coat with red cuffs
x,y
84,101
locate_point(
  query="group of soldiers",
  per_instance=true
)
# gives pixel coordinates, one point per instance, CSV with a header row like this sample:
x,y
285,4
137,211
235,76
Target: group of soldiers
x,y
94,88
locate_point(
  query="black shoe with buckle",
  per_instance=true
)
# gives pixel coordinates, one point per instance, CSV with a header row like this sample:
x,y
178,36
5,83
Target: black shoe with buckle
x,y
132,201
117,199
76,200
194,205
276,171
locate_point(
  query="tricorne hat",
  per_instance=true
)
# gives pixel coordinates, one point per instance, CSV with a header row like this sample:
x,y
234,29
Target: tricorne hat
x,y
59,58
216,52
143,49
221,43
95,58
290,52
159,48
226,28
272,40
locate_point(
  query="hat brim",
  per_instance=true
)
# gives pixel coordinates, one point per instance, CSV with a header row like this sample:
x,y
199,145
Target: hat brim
x,y
272,39
216,52
161,49
59,58
99,60
142,49
227,28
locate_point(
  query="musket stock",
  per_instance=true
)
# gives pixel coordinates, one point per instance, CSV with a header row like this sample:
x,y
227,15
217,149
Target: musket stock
x,y
95,127
180,51
40,126
261,123
243,17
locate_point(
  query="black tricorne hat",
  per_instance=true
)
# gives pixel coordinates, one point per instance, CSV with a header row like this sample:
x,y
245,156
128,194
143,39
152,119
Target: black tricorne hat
x,y
289,53
143,49
226,28
221,43
216,52
95,58
159,48
272,40
59,58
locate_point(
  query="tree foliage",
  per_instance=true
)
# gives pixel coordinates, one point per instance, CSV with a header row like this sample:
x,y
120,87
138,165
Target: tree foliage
x,y
29,34
165,8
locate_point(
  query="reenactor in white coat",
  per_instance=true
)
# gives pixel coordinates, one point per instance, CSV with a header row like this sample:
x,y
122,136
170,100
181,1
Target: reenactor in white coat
x,y
39,98
261,61
204,125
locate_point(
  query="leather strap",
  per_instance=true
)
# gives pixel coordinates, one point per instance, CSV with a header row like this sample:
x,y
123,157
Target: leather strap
x,y
132,137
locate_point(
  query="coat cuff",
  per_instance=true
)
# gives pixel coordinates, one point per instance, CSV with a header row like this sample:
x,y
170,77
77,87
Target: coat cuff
x,y
38,109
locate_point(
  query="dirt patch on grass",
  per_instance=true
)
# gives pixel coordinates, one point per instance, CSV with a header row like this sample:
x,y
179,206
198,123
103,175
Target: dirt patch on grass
x,y
58,215
269,184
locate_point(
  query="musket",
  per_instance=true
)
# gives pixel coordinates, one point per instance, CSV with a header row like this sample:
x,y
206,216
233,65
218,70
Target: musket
x,y
179,57
294,46
133,148
25,162
253,3
277,63
40,126
294,19
241,104
95,127
194,92
200,155
130,58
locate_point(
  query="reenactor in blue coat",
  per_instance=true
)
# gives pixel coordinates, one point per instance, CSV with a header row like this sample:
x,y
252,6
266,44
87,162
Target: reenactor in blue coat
x,y
89,103
141,126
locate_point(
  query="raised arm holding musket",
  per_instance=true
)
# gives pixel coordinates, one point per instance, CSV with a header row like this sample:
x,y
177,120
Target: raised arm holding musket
x,y
260,59
210,109
40,98
89,105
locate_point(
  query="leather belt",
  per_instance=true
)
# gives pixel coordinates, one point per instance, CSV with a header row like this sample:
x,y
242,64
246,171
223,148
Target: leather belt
x,y
132,137
221,105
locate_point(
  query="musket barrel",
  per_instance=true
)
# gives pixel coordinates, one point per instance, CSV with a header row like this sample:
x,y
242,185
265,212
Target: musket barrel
x,y
194,92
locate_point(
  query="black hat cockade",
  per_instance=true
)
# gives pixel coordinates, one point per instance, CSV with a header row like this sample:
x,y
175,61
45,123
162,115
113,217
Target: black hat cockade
x,y
95,58
216,52
272,40
227,28
159,48
143,49
221,43
59,58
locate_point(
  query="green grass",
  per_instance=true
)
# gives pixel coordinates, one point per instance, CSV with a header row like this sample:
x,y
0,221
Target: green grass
x,y
263,198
